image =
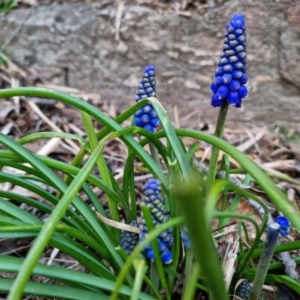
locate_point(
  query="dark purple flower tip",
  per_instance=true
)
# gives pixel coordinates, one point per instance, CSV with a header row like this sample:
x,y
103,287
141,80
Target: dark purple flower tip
x,y
232,66
284,225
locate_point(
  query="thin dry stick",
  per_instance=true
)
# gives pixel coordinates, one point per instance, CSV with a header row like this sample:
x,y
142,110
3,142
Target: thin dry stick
x,y
36,109
118,225
230,262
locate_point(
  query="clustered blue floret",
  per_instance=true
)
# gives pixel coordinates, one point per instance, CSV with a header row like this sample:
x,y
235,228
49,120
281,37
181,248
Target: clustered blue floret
x,y
146,117
154,201
244,289
284,229
185,237
230,76
129,239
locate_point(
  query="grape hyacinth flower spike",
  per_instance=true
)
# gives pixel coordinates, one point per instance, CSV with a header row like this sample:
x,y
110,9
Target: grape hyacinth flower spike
x,y
129,239
230,76
146,116
154,201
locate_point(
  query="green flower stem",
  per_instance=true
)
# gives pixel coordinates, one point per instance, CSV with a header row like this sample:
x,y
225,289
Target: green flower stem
x,y
188,270
215,150
190,197
265,259
49,227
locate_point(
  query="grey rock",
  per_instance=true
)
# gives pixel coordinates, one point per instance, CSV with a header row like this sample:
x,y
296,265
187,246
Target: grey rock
x,y
290,55
79,37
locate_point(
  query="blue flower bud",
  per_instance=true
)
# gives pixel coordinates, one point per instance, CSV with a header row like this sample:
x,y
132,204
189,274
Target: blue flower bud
x,y
227,78
222,91
213,88
138,122
231,66
185,237
234,85
166,256
218,80
215,101
129,239
284,225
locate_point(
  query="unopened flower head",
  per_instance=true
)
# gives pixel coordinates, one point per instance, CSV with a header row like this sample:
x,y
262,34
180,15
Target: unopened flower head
x,y
284,225
230,76
154,201
243,290
146,116
129,239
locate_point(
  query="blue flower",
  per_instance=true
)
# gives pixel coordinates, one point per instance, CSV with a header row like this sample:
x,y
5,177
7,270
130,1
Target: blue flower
x,y
153,199
129,239
284,225
185,237
146,116
230,76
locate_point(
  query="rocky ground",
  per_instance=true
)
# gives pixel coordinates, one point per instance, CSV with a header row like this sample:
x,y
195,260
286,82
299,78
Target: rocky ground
x,y
103,46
